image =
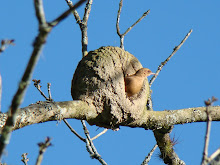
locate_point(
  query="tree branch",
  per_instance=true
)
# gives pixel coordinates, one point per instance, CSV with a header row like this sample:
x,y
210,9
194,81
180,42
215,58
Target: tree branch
x,y
83,24
39,10
90,146
42,148
47,111
165,62
25,81
100,134
148,157
73,131
166,148
208,103
5,43
117,24
66,13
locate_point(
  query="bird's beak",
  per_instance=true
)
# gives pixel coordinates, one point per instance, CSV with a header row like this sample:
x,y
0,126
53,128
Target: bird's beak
x,y
152,73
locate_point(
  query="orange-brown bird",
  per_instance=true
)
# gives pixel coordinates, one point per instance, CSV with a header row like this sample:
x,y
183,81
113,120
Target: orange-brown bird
x,y
134,83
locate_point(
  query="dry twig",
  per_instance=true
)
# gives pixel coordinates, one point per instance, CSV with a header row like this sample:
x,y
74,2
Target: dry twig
x,y
117,24
65,14
82,24
5,43
90,146
148,157
24,158
43,147
208,103
164,63
101,133
166,141
73,131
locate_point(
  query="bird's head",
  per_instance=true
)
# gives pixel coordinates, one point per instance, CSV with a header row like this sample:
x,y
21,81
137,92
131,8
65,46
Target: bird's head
x,y
144,72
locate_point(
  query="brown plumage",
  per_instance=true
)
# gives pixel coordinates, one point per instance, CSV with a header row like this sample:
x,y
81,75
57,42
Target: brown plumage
x,y
134,83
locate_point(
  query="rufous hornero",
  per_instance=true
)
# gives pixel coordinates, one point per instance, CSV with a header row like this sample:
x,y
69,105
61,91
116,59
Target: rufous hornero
x,y
134,83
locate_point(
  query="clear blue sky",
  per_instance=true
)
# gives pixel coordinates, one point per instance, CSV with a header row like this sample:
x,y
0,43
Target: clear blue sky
x,y
190,77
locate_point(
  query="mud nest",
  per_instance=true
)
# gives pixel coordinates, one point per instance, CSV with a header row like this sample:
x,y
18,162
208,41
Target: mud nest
x,y
99,80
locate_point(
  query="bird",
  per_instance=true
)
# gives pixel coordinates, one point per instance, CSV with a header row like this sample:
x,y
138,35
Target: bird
x,y
134,83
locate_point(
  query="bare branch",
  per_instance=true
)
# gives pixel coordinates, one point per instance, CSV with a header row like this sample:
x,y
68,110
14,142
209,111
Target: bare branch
x,y
43,147
117,24
87,11
206,146
144,15
46,111
5,43
82,24
39,10
148,157
90,146
118,18
208,103
49,93
38,86
101,133
164,63
25,81
212,158
24,158
73,131
65,14
75,13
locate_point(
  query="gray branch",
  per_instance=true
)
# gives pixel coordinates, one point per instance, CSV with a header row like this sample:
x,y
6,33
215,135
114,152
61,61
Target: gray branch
x,y
47,111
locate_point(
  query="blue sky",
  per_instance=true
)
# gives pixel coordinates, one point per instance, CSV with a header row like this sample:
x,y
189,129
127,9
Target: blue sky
x,y
189,78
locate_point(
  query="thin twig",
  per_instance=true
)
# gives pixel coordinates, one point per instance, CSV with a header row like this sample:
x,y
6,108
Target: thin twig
x,y
164,63
83,24
144,15
118,18
148,157
214,155
87,11
39,10
207,136
65,14
24,158
49,93
38,86
90,146
73,131
117,24
5,43
43,147
101,133
208,104
75,13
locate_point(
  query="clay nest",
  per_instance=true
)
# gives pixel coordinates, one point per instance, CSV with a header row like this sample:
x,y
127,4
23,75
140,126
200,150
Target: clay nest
x,y
99,80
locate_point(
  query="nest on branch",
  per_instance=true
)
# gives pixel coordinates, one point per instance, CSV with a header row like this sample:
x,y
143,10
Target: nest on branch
x,y
99,80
